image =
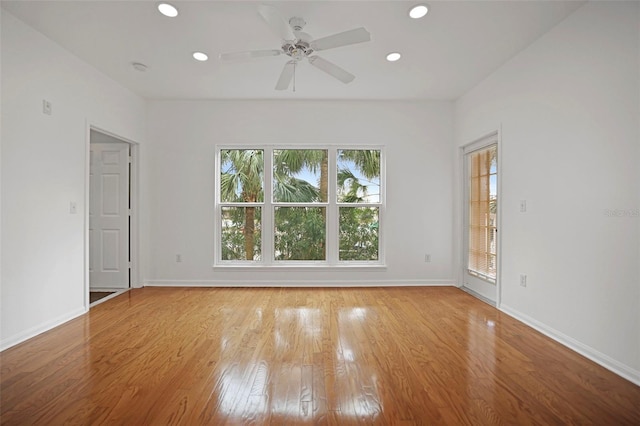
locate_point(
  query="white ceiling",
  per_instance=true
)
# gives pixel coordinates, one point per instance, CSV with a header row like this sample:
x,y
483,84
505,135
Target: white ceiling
x,y
445,54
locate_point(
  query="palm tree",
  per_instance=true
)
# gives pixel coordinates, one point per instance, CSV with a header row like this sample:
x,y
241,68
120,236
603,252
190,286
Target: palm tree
x,y
241,180
291,161
353,189
305,235
367,161
288,162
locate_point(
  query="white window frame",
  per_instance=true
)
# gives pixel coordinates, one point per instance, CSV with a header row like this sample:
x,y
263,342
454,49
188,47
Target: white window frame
x,y
267,261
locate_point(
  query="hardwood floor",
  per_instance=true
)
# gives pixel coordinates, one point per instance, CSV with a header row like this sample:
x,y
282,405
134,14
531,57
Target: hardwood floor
x,y
292,356
94,296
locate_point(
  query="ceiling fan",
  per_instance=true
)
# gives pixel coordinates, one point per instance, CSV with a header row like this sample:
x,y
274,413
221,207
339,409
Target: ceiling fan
x,y
299,45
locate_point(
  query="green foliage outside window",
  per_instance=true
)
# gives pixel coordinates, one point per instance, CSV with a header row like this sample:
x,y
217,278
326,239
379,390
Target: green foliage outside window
x,y
300,233
358,233
299,176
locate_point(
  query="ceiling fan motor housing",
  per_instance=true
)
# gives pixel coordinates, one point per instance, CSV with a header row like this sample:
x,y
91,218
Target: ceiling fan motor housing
x,y
297,50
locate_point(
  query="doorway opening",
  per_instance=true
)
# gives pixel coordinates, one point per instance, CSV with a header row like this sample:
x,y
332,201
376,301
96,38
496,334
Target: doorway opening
x,y
481,208
111,202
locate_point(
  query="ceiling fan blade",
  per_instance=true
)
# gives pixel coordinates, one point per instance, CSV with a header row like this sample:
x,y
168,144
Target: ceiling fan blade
x,y
234,56
276,22
358,35
331,69
286,76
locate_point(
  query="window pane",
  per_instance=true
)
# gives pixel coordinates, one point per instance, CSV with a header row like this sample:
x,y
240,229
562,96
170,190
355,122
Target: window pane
x,y
359,233
241,233
300,175
482,212
242,175
300,233
358,176
493,186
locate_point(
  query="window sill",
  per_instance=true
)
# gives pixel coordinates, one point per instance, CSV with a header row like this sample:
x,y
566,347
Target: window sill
x,y
481,276
301,268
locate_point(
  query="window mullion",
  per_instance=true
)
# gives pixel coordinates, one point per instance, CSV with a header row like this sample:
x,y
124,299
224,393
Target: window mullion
x,y
332,209
267,211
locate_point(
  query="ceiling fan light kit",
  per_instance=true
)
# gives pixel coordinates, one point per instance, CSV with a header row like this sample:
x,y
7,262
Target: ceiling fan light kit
x,y
299,45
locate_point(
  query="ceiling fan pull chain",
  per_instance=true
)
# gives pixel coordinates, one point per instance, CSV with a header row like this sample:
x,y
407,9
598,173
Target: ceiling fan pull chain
x,y
294,76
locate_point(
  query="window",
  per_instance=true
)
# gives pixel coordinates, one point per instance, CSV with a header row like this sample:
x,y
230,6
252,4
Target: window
x,y
282,206
358,194
482,213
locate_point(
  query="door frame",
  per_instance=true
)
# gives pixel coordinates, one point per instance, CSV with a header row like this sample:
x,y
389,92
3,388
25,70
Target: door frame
x,y
134,280
476,144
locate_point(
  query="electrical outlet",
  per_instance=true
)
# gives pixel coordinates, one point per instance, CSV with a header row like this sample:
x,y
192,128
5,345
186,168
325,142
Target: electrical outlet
x,y
427,257
523,206
178,258
523,280
46,107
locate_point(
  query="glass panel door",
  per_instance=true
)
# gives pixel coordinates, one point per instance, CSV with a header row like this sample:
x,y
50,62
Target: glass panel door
x,y
481,219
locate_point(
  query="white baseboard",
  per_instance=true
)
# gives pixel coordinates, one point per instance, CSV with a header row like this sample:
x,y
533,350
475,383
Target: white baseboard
x,y
594,355
108,289
39,329
478,296
298,283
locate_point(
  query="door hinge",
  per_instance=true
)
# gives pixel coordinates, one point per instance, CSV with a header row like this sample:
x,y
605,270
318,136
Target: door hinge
x,y
130,159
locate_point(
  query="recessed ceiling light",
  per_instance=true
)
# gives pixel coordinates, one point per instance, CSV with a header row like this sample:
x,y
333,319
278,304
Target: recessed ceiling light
x,y
418,11
394,56
199,56
168,10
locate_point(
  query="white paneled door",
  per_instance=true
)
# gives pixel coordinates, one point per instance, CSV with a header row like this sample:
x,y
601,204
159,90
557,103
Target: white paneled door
x,y
109,216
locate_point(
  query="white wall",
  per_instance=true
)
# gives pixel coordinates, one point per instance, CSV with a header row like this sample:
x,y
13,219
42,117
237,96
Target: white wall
x,y
417,137
569,107
43,170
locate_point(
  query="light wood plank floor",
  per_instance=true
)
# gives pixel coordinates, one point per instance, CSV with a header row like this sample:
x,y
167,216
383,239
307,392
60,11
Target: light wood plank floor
x,y
292,356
